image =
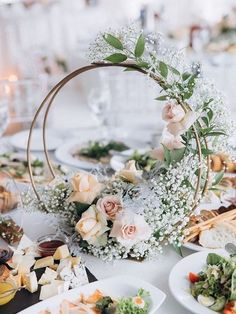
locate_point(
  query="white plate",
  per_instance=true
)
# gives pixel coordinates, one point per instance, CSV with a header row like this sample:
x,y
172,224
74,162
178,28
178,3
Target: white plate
x,y
115,287
118,161
19,140
65,151
64,155
195,247
180,286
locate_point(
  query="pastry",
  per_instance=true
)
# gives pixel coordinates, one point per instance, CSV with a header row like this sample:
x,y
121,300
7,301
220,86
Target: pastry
x,y
10,231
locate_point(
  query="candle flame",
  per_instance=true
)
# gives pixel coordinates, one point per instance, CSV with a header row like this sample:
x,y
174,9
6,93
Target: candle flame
x,y
12,78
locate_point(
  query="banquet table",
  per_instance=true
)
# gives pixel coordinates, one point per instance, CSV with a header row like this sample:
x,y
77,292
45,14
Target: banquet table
x,y
155,271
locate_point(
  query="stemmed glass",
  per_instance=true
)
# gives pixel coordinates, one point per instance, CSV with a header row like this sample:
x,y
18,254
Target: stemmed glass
x,y
99,101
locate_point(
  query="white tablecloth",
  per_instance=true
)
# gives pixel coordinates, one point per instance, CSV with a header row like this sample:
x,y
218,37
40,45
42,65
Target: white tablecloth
x,y
155,272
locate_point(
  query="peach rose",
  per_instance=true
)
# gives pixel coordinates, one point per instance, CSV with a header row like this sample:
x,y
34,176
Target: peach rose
x,y
110,206
92,226
172,112
85,188
178,128
130,173
130,229
170,141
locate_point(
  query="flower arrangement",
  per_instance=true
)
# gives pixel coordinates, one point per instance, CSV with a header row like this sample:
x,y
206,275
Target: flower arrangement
x,y
135,213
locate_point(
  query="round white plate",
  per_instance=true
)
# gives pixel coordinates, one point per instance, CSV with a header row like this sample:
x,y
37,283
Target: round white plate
x,y
64,154
179,284
19,140
118,161
115,287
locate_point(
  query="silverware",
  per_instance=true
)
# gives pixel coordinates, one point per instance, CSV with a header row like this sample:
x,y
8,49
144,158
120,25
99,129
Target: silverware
x,y
230,248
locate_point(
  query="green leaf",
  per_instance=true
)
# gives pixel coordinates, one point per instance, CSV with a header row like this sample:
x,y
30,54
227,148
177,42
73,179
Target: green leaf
x,y
130,69
210,114
116,58
162,98
177,154
167,155
216,133
206,151
113,41
218,177
205,120
186,76
139,47
163,69
143,64
174,70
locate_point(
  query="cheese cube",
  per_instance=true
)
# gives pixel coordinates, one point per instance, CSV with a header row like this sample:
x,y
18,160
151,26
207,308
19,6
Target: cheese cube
x,y
48,276
24,243
75,260
30,282
54,267
23,269
61,252
81,274
44,262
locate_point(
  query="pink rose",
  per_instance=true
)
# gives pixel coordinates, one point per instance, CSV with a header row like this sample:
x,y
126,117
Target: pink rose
x,y
169,141
172,112
110,206
178,128
129,229
130,173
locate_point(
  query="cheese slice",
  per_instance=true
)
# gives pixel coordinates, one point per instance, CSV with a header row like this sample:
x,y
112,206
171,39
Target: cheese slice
x,y
17,280
50,290
30,282
81,274
63,263
61,252
44,262
24,243
48,276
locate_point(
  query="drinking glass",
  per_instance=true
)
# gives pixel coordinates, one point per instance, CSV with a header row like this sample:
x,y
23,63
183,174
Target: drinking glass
x,y
99,101
3,108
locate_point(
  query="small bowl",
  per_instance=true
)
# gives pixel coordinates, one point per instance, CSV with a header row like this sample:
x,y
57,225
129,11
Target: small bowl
x,y
47,245
6,297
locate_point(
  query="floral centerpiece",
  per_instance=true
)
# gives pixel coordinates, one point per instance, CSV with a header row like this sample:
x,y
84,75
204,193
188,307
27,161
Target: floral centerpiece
x,y
136,212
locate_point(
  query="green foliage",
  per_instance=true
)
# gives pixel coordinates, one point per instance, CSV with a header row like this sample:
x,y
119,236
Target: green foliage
x,y
116,58
218,177
163,68
140,46
113,41
162,98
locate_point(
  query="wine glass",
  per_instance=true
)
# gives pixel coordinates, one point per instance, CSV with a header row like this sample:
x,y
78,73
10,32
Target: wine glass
x,y
4,117
99,101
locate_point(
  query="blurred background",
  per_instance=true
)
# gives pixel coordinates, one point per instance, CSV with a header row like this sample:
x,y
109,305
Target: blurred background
x,y
43,40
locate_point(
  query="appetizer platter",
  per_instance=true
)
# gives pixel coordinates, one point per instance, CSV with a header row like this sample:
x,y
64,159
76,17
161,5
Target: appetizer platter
x,y
89,155
33,272
15,164
121,295
212,225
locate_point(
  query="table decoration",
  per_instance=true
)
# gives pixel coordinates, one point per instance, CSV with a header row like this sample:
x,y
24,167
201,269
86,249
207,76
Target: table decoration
x,y
134,214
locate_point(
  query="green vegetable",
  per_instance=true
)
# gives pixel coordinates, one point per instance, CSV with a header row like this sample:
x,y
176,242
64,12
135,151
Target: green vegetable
x,y
127,306
143,161
97,150
219,304
233,286
104,304
215,259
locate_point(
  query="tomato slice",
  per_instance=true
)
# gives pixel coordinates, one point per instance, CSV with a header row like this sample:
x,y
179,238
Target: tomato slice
x,y
229,311
230,308
193,277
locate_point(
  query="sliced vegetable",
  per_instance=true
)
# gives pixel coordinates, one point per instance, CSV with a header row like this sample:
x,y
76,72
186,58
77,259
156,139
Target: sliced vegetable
x,y
219,304
193,277
206,301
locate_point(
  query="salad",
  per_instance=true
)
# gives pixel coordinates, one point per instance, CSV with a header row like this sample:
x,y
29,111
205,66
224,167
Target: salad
x,y
215,286
99,303
143,161
99,151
